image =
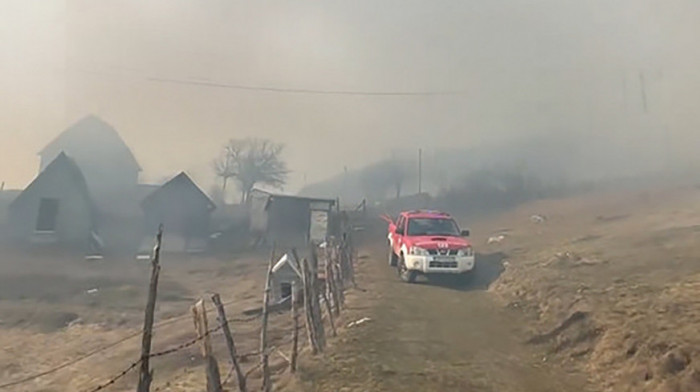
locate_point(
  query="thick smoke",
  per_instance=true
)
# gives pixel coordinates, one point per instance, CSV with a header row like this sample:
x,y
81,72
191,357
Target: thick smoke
x,y
610,85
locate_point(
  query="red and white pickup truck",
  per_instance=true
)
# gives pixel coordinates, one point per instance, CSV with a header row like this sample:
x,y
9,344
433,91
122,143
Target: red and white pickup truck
x,y
428,242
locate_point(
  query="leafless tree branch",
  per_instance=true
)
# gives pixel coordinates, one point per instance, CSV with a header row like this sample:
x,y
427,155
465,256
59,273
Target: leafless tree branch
x,y
251,162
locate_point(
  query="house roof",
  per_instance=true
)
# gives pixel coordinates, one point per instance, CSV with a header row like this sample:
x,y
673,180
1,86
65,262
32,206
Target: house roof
x,y
124,203
285,261
8,195
62,163
145,190
305,198
179,182
91,135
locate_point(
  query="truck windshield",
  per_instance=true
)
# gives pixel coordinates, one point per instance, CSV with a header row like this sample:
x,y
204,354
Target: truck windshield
x,y
431,226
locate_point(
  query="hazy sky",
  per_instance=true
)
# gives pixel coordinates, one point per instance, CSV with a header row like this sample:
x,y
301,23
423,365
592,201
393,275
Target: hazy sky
x,y
522,67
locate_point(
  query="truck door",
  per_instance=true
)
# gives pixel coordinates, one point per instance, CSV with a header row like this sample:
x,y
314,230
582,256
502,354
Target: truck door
x,y
397,240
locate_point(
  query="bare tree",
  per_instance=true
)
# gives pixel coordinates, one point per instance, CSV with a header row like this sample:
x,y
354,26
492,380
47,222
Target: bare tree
x,y
216,192
224,166
396,173
251,162
378,178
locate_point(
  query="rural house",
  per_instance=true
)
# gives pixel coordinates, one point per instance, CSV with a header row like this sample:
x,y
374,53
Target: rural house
x,y
185,212
109,173
105,160
288,220
55,208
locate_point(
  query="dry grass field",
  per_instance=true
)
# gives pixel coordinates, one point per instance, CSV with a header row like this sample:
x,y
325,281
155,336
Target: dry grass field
x,y
602,294
56,308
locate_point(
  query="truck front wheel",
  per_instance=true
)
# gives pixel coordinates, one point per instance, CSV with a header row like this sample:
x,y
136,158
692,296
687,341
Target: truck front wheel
x,y
392,257
404,273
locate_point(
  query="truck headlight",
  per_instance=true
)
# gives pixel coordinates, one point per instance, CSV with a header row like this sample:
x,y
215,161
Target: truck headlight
x,y
416,251
465,252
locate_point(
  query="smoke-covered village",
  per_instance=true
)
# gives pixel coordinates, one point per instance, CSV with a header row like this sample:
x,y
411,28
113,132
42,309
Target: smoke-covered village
x,y
469,196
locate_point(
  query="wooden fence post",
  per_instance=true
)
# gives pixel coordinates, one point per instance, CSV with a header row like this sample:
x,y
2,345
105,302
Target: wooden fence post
x,y
297,260
347,256
223,321
313,261
308,312
316,303
295,332
201,326
264,354
145,373
338,277
333,285
331,321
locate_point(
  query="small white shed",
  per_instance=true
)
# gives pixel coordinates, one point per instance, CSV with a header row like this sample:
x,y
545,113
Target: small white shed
x,y
284,273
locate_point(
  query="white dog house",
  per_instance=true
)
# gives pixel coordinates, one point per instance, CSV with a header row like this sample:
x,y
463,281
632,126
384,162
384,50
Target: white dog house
x,y
284,273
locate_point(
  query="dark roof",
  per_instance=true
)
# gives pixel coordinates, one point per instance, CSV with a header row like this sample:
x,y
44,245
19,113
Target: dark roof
x,y
145,190
283,196
182,181
92,135
126,202
8,195
61,163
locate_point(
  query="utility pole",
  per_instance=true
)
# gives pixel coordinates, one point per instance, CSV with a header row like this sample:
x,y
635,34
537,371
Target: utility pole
x,y
644,92
624,92
420,171
345,181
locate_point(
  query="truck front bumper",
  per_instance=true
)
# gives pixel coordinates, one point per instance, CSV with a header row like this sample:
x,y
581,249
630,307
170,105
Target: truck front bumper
x,y
440,264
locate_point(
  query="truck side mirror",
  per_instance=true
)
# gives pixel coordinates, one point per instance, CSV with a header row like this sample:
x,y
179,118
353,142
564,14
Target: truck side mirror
x,y
399,231
465,233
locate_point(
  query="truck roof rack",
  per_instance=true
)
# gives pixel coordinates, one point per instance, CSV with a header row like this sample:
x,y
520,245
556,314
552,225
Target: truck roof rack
x,y
436,212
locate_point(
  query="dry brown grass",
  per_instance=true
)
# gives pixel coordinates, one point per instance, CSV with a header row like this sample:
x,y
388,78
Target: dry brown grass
x,y
608,283
48,317
629,263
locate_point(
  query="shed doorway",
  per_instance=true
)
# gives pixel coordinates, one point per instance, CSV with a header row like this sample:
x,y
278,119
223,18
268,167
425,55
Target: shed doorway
x,y
286,289
48,212
318,228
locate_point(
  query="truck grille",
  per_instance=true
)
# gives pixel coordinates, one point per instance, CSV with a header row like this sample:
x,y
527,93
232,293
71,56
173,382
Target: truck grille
x,y
443,264
443,252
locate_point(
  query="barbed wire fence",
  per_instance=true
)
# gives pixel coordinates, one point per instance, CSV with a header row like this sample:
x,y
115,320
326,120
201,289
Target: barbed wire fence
x,y
315,286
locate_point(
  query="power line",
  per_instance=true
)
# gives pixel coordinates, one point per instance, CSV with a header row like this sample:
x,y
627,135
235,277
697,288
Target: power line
x,y
268,89
304,90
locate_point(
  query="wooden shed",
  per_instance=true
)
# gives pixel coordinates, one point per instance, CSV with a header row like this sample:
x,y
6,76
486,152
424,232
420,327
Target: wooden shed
x,y
185,212
55,208
288,220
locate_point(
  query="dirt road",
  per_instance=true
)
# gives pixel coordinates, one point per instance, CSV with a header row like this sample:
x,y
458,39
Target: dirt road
x,y
428,337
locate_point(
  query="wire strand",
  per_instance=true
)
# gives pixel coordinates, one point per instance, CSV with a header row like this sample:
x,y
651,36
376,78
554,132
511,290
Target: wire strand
x,y
105,348
202,83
